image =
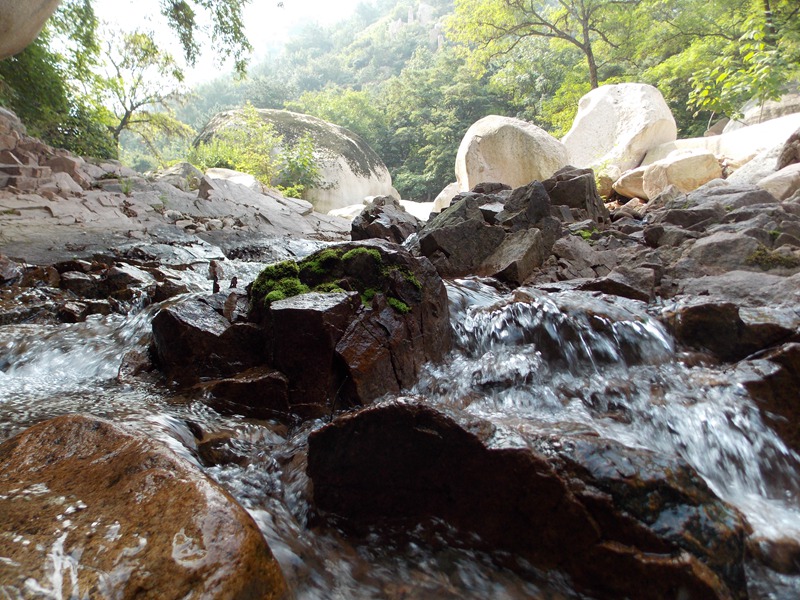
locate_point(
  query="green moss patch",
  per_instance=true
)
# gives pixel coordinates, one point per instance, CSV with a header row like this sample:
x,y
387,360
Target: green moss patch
x,y
361,269
768,259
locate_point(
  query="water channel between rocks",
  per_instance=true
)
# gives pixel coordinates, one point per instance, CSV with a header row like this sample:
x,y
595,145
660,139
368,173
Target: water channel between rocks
x,y
551,362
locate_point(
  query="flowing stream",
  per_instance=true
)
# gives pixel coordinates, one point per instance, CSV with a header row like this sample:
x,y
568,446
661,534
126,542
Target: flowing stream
x,y
559,361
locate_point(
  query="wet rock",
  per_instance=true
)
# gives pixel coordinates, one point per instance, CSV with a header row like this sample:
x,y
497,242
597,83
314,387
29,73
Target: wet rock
x,y
366,316
576,188
620,522
73,312
192,341
633,283
384,218
736,314
459,239
123,276
520,254
9,271
125,516
304,333
82,285
775,391
260,392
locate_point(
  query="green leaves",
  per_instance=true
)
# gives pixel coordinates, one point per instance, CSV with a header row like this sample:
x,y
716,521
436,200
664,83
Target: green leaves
x,y
252,145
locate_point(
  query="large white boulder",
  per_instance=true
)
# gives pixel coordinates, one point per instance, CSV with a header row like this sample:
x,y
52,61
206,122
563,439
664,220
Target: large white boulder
x,y
349,170
737,147
755,112
21,21
784,183
445,197
616,125
687,171
507,150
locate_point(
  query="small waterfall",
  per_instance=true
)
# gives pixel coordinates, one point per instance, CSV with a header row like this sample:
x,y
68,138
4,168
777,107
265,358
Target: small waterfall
x,y
570,359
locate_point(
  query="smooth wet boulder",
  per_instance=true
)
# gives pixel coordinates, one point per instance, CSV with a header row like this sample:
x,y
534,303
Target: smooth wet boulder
x,y
621,522
89,509
349,170
508,150
617,125
384,218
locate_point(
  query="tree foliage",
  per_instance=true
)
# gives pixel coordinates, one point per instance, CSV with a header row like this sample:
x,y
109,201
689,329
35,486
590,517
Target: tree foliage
x,y
497,27
49,86
252,145
141,86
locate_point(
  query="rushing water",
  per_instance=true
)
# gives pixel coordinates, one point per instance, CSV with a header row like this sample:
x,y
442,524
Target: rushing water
x,y
555,360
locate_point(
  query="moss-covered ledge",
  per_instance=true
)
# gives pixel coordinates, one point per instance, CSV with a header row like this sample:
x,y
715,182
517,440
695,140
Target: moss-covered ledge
x,y
367,268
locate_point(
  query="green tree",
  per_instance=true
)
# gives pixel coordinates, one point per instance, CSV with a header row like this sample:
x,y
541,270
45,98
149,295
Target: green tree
x,y
141,87
496,27
760,57
429,108
46,84
227,32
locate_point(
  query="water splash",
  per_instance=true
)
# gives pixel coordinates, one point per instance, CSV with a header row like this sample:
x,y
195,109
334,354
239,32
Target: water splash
x,y
576,359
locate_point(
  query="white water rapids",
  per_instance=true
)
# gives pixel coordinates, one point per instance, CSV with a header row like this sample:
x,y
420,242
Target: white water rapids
x,y
566,360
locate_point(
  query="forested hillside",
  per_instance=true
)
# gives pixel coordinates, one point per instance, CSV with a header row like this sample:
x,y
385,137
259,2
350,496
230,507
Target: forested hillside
x,y
410,77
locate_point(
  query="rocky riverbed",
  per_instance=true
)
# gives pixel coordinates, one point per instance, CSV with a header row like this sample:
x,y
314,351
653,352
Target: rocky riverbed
x,y
211,391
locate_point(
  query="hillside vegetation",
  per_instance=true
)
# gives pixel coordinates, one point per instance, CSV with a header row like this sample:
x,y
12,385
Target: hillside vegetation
x,y
410,77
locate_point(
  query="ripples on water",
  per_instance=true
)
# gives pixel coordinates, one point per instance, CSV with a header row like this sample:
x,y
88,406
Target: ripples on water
x,y
560,360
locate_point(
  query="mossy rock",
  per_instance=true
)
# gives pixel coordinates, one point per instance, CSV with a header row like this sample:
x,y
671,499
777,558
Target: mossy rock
x,y
368,268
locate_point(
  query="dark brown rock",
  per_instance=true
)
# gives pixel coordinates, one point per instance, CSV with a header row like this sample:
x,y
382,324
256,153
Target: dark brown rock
x,y
577,189
304,334
260,392
193,342
122,515
776,393
83,285
728,330
620,522
384,218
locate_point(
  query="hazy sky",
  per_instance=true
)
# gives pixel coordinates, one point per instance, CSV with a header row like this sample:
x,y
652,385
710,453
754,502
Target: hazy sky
x,y
267,23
